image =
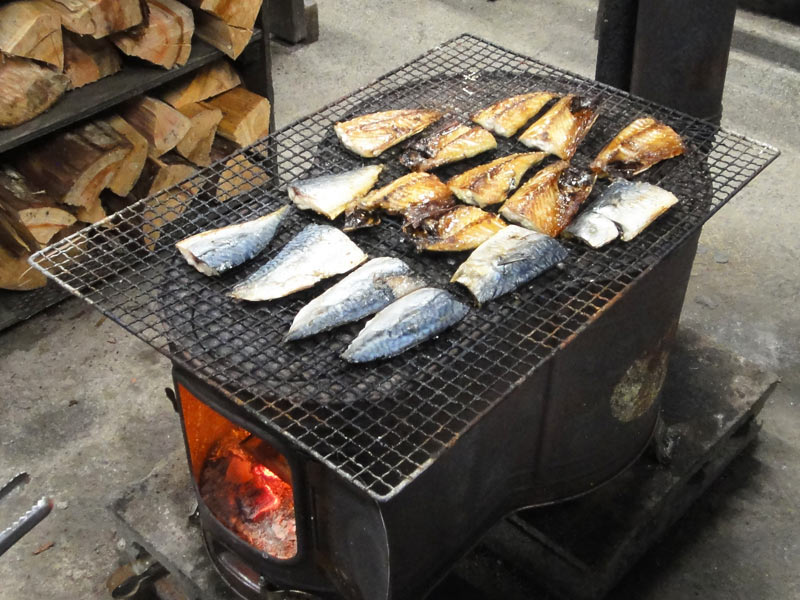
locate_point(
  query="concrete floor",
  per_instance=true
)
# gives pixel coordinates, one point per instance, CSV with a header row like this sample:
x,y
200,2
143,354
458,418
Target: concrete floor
x,y
83,403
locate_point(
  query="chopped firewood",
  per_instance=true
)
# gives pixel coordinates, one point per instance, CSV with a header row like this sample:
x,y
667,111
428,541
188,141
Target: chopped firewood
x,y
114,203
131,167
16,245
31,30
34,209
211,80
74,166
87,60
242,13
224,37
92,212
245,115
237,174
97,18
196,144
161,125
167,196
28,89
165,38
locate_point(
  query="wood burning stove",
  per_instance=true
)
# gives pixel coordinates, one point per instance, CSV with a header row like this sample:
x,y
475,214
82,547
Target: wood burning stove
x,y
397,467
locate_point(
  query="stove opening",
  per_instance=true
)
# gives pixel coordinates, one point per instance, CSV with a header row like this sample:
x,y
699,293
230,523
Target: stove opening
x,y
243,480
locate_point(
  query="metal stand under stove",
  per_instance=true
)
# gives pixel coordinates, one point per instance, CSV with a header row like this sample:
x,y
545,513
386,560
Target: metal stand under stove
x,y
579,549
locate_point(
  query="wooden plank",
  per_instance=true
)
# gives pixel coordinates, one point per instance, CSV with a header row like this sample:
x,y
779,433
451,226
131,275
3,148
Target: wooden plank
x,y
96,97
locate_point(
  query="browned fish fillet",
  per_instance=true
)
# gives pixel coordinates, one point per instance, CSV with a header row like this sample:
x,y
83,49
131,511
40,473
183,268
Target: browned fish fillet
x,y
507,116
415,196
491,183
563,127
369,135
638,147
449,142
549,200
461,228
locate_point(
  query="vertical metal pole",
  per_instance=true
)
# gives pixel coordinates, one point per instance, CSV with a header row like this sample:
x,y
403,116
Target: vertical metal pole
x,y
615,32
680,55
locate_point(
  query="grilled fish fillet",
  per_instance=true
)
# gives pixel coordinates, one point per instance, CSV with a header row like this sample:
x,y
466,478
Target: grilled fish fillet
x,y
507,116
549,200
506,260
217,250
415,196
373,286
633,206
405,323
317,252
636,148
448,143
329,195
562,128
369,135
592,228
491,183
461,228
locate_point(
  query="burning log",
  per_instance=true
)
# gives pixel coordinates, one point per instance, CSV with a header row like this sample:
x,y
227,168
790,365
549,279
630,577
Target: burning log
x,y
97,18
211,80
165,38
31,30
87,60
28,88
245,115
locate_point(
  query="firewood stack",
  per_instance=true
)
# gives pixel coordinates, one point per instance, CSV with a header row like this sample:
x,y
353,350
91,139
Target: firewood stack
x,y
142,147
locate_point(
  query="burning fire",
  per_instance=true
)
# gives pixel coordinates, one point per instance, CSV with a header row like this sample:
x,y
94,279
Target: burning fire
x,y
249,497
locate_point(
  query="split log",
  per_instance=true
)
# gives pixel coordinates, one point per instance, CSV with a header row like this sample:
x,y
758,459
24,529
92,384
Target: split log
x,y
131,167
97,18
196,144
92,212
164,39
74,166
245,115
34,209
87,60
211,80
236,174
224,37
31,30
28,89
238,13
161,125
16,245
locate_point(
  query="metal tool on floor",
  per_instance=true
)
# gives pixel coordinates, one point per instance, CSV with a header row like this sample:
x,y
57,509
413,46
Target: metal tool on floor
x,y
12,534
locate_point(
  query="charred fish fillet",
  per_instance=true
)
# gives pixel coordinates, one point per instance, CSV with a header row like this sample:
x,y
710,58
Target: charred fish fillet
x,y
409,321
330,195
549,200
317,252
217,250
638,147
507,116
415,196
633,206
491,183
448,143
369,135
373,286
506,260
562,128
461,228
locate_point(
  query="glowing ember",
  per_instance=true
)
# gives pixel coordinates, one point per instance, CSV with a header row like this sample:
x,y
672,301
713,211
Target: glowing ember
x,y
250,498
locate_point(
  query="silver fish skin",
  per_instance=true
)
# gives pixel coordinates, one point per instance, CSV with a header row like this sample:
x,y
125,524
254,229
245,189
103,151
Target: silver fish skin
x,y
633,205
330,195
592,228
317,252
373,286
512,256
218,250
409,321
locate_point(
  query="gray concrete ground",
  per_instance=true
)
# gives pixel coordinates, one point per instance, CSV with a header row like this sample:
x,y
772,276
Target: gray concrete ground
x,y
83,408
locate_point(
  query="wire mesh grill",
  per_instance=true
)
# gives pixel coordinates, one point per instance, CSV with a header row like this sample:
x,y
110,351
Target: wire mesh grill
x,y
380,424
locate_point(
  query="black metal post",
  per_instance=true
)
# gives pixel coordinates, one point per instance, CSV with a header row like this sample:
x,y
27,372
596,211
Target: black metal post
x,y
615,31
680,54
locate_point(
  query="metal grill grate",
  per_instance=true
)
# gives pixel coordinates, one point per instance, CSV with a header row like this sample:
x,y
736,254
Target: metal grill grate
x,y
379,425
